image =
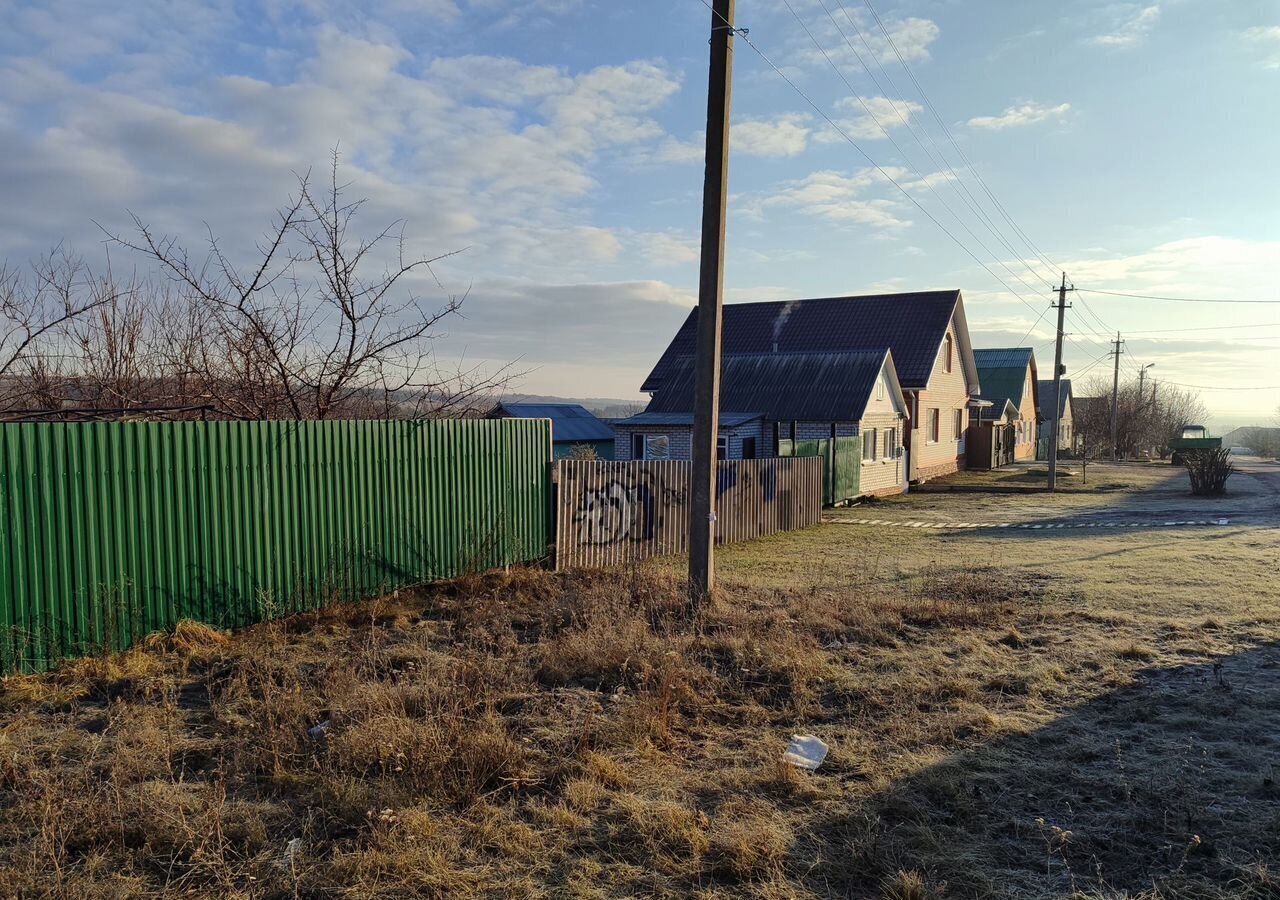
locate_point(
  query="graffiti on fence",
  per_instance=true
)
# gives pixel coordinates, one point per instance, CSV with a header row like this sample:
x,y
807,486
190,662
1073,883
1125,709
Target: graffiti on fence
x,y
628,507
612,513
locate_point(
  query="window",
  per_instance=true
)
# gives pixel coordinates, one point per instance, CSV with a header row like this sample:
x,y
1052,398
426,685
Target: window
x,y
946,353
869,445
722,448
880,388
935,425
657,446
637,446
958,423
749,448
891,443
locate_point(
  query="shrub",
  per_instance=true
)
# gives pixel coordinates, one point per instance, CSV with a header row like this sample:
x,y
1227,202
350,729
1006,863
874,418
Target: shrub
x,y
1209,471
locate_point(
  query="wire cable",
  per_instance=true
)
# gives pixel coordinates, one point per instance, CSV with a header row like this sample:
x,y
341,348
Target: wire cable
x,y
1171,299
874,118
950,137
939,160
783,75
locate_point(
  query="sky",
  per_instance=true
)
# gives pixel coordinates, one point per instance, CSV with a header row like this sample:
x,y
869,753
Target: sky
x,y
558,144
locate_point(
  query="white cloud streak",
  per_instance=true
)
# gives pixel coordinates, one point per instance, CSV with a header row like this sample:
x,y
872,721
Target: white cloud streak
x,y
1131,30
1020,115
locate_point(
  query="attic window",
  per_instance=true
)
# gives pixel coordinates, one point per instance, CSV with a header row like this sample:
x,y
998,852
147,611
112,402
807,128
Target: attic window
x,y
946,353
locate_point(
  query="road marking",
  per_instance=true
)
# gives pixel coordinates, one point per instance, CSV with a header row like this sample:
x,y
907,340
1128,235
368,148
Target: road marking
x,y
1196,523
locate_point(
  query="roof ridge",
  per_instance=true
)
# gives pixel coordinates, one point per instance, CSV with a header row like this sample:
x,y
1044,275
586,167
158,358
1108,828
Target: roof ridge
x,y
940,291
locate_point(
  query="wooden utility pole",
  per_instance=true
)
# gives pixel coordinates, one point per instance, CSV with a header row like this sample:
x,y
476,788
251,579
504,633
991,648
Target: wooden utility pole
x,y
1057,386
1115,402
706,402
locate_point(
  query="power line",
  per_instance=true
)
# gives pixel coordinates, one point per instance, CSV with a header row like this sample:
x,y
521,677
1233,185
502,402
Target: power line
x,y
1172,299
783,75
1209,387
1053,267
1033,325
1211,328
938,160
867,109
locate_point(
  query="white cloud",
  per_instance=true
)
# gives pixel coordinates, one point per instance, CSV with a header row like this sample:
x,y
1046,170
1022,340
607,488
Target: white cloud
x,y
874,116
667,248
1268,38
854,34
1021,114
835,197
786,135
1130,30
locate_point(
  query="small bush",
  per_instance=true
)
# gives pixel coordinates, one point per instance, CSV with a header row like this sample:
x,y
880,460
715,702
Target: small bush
x,y
1209,471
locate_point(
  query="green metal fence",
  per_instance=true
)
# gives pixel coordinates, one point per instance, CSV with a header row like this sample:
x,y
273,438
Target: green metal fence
x,y
841,464
114,530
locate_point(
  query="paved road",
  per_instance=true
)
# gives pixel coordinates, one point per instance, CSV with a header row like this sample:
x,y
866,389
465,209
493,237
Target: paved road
x,y
1253,499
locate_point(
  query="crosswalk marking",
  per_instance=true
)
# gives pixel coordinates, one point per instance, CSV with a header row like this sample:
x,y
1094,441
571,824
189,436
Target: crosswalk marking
x,y
1193,523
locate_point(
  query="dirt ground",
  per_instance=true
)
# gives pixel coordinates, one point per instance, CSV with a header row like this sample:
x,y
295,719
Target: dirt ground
x,y
1010,713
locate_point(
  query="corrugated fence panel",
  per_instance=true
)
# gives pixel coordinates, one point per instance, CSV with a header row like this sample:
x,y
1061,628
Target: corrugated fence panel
x,y
114,530
614,513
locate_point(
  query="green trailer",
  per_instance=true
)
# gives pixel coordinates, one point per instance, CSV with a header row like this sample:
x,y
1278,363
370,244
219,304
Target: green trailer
x,y
1193,437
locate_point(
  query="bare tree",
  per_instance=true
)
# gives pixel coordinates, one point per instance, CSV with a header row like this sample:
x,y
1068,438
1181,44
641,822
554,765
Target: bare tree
x,y
36,306
1147,420
319,324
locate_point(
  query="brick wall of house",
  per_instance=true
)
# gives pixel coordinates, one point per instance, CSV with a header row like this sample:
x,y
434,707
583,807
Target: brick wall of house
x,y
682,439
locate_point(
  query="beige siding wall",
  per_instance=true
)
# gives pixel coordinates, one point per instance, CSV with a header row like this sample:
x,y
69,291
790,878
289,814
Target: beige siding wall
x,y
884,474
1026,447
946,393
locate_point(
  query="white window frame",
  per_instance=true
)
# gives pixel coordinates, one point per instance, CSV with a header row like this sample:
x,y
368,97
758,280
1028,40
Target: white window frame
x,y
869,445
722,446
891,443
957,422
947,347
933,425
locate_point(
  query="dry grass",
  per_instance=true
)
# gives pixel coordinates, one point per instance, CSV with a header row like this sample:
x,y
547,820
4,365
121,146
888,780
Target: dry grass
x,y
526,735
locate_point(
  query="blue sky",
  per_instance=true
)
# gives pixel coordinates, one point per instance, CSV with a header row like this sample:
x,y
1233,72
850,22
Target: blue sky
x,y
558,141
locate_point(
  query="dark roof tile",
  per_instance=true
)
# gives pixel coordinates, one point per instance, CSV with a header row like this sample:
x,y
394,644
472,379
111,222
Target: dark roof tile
x,y
815,387
569,421
911,325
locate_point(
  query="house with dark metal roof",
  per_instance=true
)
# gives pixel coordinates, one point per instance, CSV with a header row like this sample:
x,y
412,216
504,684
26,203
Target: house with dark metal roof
x,y
925,334
572,426
768,397
1008,379
1064,403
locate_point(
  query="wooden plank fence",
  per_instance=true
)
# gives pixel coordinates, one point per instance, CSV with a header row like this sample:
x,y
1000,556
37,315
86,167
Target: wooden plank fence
x,y
613,513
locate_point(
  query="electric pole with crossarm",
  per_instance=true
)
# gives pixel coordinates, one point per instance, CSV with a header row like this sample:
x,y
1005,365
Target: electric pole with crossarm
x,y
1057,386
1115,401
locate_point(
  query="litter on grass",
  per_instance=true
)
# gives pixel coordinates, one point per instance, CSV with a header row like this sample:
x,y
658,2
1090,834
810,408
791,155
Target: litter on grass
x,y
805,751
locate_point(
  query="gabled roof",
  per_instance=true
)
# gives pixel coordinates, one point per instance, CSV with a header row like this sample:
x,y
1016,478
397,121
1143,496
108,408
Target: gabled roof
x,y
1003,357
1047,396
821,387
569,421
998,411
910,325
1002,372
727,419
